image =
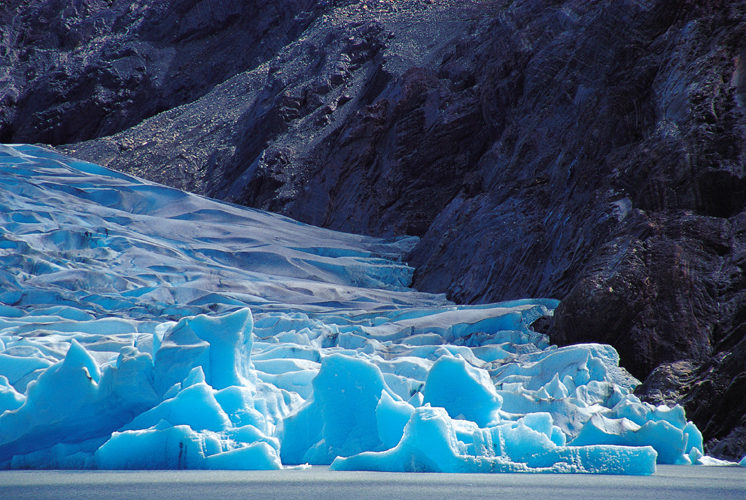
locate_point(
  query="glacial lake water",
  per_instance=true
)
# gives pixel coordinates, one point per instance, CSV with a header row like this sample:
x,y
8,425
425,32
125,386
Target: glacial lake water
x,y
669,482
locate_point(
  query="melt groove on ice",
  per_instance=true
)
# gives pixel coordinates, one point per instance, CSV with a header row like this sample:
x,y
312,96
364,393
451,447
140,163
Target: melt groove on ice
x,y
142,327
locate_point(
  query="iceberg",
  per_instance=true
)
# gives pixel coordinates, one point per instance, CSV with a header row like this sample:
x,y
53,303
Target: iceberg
x,y
433,442
142,327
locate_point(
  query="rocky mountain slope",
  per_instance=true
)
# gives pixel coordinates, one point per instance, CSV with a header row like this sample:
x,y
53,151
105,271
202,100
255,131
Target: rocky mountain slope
x,y
591,151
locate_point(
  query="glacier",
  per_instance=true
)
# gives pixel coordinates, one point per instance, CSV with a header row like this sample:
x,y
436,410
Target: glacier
x,y
142,327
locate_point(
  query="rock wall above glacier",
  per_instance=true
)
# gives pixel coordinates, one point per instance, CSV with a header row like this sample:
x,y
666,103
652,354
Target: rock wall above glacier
x,y
588,151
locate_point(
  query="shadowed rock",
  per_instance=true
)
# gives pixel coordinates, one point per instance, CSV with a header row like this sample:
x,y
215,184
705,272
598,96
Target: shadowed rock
x,y
588,151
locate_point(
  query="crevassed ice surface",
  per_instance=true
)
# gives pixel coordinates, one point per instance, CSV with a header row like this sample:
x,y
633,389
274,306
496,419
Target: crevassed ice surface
x,y
142,327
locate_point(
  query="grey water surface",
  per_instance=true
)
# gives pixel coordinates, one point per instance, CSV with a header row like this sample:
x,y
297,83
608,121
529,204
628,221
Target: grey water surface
x,y
669,482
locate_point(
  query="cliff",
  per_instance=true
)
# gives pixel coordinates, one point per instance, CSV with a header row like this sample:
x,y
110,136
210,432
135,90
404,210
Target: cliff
x,y
590,151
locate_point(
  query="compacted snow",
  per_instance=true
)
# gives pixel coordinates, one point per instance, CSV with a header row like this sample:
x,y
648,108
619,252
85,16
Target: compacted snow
x,y
142,327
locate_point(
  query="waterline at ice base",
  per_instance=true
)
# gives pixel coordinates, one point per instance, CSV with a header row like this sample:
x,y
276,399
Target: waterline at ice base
x,y
142,327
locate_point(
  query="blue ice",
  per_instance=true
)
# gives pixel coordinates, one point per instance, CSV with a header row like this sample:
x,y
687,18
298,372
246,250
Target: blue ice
x,y
142,327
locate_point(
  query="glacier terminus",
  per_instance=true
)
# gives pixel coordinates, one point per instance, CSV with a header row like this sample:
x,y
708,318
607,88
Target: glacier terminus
x,y
142,327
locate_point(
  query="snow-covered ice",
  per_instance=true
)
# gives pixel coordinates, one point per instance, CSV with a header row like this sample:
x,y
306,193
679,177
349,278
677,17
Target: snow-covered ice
x,y
142,327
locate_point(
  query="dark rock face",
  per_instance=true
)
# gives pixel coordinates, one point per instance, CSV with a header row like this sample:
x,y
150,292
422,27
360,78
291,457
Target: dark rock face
x,y
373,182
650,293
712,394
89,68
588,151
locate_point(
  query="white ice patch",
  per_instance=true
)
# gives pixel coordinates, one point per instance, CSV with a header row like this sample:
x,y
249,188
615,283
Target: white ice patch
x,y
144,327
